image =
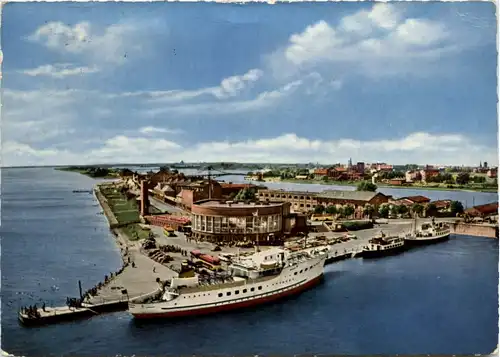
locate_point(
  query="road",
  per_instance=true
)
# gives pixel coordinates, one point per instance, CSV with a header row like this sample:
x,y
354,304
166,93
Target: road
x,y
164,207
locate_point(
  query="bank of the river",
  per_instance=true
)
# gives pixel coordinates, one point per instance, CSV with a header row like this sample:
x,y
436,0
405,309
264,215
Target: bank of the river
x,y
111,175
414,187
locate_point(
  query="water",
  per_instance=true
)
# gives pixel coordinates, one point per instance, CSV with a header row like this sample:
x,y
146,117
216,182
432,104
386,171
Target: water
x,y
440,299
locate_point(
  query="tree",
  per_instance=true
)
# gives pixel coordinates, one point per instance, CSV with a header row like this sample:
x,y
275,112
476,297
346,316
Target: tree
x,y
245,194
394,210
366,186
430,209
348,210
319,209
456,207
403,210
463,178
331,209
325,178
417,209
368,210
478,179
383,210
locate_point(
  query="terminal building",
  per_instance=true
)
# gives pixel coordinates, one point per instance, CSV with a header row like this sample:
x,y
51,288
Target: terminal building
x,y
224,222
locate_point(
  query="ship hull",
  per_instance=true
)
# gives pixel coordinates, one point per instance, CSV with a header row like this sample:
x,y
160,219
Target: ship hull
x,y
426,240
229,307
371,254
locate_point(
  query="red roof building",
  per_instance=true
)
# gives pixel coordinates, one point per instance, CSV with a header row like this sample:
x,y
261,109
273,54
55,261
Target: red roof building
x,y
415,199
488,209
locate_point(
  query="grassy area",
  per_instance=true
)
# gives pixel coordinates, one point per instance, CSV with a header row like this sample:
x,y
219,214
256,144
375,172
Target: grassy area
x,y
125,210
439,187
135,232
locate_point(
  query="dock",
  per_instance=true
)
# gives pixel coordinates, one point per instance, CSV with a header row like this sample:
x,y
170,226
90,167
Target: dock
x,y
51,315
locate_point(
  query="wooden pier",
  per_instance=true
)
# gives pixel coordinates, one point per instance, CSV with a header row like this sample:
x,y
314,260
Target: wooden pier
x,y
51,315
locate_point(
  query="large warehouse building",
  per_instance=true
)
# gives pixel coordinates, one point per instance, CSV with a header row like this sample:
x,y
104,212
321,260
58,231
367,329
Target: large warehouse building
x,y
224,222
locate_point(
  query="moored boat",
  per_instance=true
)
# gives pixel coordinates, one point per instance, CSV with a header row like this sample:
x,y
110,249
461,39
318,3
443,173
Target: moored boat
x,y
249,281
383,245
428,233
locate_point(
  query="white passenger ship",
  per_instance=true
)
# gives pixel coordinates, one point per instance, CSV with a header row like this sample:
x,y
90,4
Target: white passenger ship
x,y
428,233
259,278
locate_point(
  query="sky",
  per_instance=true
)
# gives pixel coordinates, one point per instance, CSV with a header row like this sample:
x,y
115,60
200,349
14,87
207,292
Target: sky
x,y
91,83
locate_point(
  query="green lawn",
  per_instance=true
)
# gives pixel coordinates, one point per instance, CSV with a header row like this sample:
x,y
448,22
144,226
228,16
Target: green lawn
x,y
134,230
124,210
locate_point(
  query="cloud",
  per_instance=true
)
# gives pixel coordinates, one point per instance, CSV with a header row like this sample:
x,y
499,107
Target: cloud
x,y
111,45
153,130
376,42
422,148
59,70
228,88
263,100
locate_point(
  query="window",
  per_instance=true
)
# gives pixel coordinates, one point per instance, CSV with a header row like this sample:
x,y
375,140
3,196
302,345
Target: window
x,y
306,269
236,292
228,293
300,272
244,291
220,294
295,273
252,289
260,287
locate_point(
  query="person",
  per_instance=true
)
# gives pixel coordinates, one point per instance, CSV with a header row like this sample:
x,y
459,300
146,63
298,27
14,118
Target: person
x,y
43,307
154,269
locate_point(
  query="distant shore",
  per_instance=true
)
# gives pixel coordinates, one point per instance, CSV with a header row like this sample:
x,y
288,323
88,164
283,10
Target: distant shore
x,y
379,185
112,175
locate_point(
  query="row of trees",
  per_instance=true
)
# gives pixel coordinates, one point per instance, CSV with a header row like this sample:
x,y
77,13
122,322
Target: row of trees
x,y
244,194
388,210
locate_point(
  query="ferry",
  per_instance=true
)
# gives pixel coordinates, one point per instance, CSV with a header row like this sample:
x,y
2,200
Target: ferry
x,y
383,245
428,233
249,281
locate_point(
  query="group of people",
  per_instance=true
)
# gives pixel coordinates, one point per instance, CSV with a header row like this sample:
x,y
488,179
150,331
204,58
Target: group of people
x,y
73,302
93,291
32,311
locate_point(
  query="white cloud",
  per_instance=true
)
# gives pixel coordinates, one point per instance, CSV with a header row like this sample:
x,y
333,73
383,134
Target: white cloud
x,y
420,148
154,130
377,42
59,70
228,88
111,45
262,100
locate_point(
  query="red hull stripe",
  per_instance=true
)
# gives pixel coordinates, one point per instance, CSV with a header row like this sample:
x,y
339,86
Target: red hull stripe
x,y
227,307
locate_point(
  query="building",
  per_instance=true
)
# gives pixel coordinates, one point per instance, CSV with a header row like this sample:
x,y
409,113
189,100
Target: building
x,y
360,167
413,176
428,172
357,198
489,209
300,201
415,199
223,222
397,181
197,191
230,188
492,173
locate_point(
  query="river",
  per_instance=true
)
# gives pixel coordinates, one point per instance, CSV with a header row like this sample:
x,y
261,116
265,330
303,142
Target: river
x,y
440,299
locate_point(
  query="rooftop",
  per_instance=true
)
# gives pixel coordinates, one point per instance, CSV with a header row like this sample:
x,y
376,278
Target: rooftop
x,y
416,199
348,195
232,204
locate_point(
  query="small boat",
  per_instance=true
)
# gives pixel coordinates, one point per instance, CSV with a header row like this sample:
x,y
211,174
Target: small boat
x,y
383,245
428,233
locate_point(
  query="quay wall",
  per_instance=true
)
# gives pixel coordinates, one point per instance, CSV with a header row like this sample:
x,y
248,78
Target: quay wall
x,y
477,230
112,221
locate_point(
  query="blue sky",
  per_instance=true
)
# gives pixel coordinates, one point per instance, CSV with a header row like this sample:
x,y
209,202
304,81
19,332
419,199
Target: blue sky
x,y
304,82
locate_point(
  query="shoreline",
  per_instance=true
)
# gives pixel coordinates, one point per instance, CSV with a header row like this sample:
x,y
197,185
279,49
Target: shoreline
x,y
429,188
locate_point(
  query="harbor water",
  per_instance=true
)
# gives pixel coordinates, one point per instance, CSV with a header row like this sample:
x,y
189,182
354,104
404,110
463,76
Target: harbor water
x,y
440,299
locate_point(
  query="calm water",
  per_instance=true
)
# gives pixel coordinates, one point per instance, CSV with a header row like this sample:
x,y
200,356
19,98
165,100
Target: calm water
x,y
440,299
